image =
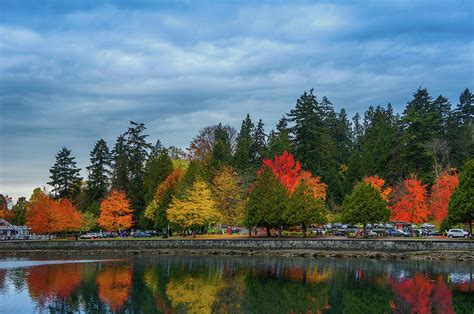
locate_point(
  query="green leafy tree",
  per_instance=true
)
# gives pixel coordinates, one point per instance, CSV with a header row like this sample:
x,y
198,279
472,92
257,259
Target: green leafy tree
x,y
304,208
20,211
65,178
222,150
461,205
267,202
364,205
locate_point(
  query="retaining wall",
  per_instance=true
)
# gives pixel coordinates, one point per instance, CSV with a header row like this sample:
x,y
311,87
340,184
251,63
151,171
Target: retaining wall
x,y
402,245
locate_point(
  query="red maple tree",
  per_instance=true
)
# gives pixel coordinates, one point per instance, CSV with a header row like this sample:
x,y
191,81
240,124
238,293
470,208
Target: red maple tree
x,y
115,212
410,202
47,215
441,194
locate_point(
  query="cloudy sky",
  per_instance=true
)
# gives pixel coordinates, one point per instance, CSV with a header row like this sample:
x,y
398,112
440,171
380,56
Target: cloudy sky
x,y
72,72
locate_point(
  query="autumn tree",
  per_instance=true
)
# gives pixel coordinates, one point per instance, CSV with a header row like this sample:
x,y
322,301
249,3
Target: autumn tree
x,y
46,215
364,205
286,169
115,212
410,202
156,209
229,196
196,209
441,194
5,212
378,184
157,168
461,205
65,178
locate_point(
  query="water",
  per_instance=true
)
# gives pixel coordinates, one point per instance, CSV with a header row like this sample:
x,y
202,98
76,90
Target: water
x,y
191,284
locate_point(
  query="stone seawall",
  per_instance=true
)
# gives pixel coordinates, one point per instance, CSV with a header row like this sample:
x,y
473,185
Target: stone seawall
x,y
375,245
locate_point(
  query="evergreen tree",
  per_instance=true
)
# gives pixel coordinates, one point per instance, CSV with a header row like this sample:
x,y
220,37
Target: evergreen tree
x,y
364,205
460,130
65,178
243,158
137,152
157,169
99,172
461,205
418,121
120,165
279,140
258,143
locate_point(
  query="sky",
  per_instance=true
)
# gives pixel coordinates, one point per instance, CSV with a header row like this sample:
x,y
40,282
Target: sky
x,y
72,72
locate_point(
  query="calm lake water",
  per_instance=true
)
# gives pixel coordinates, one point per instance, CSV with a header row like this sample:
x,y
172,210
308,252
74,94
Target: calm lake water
x,y
191,284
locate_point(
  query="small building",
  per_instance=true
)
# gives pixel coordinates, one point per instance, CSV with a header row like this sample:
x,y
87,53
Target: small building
x,y
9,231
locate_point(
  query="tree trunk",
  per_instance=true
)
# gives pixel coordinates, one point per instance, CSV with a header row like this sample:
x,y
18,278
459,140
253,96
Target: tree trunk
x,y
193,232
365,231
470,227
303,228
268,230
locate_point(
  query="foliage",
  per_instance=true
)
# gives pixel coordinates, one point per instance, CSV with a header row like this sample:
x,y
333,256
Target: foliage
x,y
229,196
120,164
243,157
441,194
286,169
65,178
378,184
157,169
364,205
461,205
156,209
20,211
89,222
196,209
410,202
115,212
46,215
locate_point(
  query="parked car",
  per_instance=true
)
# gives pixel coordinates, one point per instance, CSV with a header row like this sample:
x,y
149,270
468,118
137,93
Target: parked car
x,y
397,233
372,233
458,233
427,226
140,234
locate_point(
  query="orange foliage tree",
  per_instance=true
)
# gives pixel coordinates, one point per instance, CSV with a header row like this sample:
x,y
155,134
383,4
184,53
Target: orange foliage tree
x,y
115,212
285,168
290,174
441,194
114,285
379,183
47,283
410,202
46,215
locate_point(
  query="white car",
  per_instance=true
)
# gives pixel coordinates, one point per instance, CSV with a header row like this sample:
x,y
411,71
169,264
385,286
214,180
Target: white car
x,y
457,233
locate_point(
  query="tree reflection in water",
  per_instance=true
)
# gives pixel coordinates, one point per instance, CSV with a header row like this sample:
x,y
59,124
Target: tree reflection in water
x,y
114,284
192,284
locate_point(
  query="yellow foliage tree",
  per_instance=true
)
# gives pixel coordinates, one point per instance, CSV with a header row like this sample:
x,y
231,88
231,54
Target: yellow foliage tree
x,y
196,209
229,196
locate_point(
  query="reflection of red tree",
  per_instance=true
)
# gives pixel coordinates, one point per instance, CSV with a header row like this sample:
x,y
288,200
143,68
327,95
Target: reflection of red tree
x,y
465,286
422,295
49,282
115,283
2,278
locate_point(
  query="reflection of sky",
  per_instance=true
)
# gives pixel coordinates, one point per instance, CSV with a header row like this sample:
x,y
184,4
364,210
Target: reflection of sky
x,y
12,264
458,278
15,301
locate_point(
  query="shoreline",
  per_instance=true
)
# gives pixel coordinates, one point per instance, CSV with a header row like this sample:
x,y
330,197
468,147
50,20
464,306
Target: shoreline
x,y
433,249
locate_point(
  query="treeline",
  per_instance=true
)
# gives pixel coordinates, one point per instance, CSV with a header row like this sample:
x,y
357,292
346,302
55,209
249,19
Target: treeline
x,y
214,180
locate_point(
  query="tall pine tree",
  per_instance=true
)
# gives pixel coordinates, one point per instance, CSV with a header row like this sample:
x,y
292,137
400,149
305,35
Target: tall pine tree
x,y
65,178
98,173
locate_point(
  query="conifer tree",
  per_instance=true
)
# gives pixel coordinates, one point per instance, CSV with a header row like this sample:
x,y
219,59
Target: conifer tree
x,y
120,164
157,168
65,178
243,158
259,142
98,172
461,205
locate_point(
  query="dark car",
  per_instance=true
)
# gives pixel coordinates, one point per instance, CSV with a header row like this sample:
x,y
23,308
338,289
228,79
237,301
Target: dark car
x,y
396,233
140,234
